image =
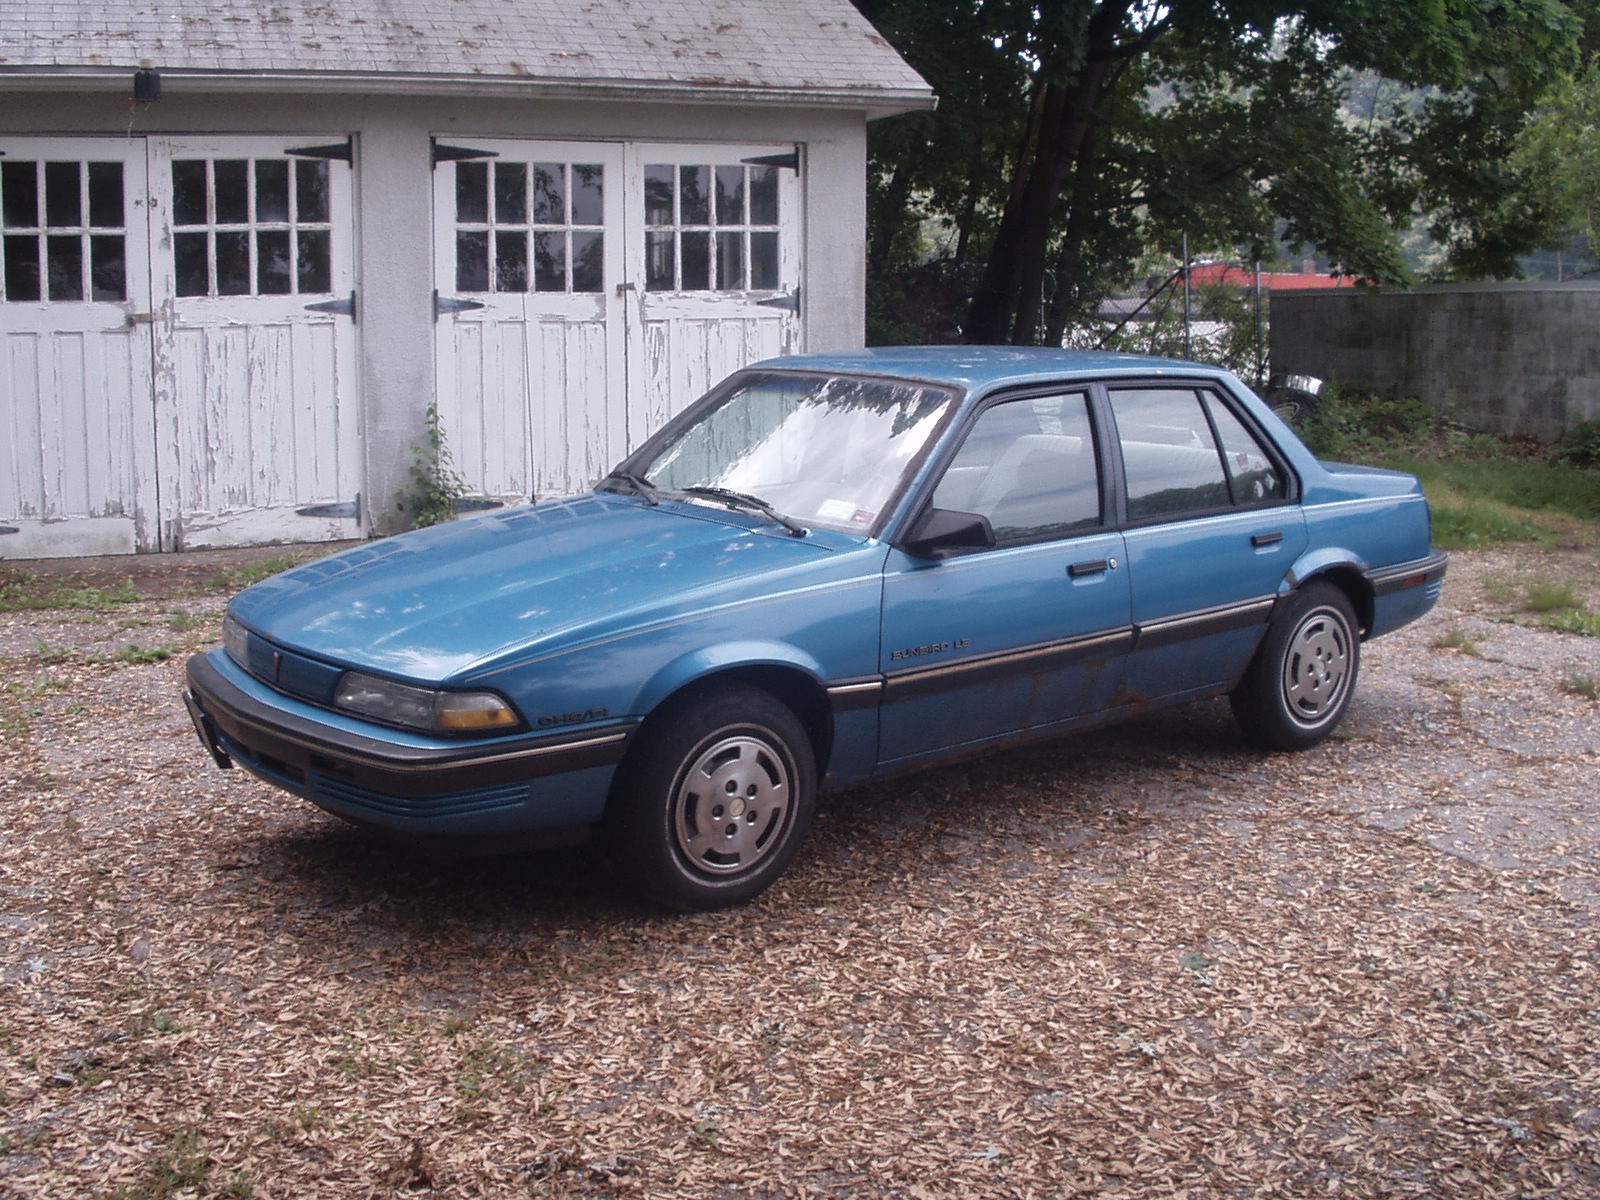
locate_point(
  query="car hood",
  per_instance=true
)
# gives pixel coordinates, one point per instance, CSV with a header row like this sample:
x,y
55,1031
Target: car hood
x,y
431,604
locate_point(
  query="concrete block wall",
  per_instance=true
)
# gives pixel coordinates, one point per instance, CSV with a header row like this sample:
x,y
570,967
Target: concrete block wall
x,y
1521,358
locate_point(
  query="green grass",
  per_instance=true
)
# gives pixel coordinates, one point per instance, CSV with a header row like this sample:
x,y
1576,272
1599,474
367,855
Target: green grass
x,y
25,593
1485,491
236,579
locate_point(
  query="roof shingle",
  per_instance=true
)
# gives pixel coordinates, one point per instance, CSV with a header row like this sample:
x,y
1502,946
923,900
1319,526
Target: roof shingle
x,y
760,45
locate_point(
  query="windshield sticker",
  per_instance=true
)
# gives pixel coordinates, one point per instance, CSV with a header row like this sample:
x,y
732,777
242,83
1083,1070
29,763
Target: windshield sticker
x,y
839,510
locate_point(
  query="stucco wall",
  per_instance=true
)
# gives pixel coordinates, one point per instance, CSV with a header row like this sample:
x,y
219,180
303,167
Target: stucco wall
x,y
393,204
1506,358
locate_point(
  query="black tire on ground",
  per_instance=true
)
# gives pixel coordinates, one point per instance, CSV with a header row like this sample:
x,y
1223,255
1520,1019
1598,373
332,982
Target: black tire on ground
x,y
1299,684
714,799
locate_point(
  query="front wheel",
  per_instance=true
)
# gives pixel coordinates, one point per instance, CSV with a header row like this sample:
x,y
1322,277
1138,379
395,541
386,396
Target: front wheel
x,y
1299,684
715,799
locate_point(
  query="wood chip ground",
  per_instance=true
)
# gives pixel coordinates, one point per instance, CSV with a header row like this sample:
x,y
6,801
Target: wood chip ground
x,y
1141,963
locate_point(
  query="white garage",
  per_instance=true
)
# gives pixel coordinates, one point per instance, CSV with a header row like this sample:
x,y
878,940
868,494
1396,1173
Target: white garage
x,y
244,248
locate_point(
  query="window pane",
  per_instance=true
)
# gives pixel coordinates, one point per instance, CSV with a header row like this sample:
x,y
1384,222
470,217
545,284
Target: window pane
x,y
19,195
315,261
1028,466
550,262
273,274
472,259
730,195
511,199
472,197
233,264
311,190
661,267
694,196
549,194
189,259
64,263
22,267
696,262
764,261
730,262
658,195
108,270
231,180
763,195
511,261
588,194
272,190
63,206
588,262
189,194
1251,471
1168,453
105,195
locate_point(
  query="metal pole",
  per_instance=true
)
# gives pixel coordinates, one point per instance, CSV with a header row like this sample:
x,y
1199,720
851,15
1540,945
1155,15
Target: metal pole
x,y
1261,364
1188,350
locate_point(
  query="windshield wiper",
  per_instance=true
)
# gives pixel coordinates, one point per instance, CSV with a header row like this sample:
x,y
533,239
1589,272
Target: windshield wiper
x,y
638,483
735,499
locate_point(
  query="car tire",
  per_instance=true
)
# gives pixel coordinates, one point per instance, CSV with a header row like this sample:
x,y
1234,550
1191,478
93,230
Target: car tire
x,y
714,800
1299,684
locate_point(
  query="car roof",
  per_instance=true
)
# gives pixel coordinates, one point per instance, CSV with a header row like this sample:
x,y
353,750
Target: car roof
x,y
986,367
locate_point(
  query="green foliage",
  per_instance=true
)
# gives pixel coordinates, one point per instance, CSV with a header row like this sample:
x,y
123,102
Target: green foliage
x,y
435,483
1581,446
1351,424
1072,139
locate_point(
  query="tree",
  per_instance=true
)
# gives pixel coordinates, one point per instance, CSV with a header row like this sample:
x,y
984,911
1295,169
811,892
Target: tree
x,y
1071,134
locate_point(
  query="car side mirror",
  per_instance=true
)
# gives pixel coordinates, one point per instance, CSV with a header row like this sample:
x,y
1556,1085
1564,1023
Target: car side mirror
x,y
939,532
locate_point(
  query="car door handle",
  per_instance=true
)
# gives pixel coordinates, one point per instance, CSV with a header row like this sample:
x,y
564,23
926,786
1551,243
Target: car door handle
x,y
1092,567
1267,539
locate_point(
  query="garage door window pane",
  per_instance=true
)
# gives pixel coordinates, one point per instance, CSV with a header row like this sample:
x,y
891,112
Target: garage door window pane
x,y
510,194
64,260
22,268
63,207
189,192
108,268
588,262
550,265
190,259
231,191
511,262
105,195
19,194
273,268
311,192
315,261
472,262
588,194
272,191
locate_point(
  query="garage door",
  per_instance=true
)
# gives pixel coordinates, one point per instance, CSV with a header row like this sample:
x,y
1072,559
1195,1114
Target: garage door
x,y
178,322
588,291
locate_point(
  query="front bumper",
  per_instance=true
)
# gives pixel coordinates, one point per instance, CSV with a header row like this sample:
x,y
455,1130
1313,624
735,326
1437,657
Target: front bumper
x,y
442,789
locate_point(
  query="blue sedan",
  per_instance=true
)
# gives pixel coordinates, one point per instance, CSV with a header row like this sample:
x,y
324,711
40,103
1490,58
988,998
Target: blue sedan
x,y
831,568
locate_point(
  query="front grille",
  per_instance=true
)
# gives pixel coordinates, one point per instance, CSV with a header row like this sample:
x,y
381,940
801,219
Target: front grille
x,y
448,804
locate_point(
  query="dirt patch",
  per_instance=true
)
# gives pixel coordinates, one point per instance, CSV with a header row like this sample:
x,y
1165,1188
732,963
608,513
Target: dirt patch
x,y
1145,962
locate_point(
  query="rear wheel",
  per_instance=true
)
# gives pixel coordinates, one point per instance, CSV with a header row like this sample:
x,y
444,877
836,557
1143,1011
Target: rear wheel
x,y
1297,688
715,799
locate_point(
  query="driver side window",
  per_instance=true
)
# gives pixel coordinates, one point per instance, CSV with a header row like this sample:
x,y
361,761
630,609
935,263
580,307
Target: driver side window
x,y
1029,467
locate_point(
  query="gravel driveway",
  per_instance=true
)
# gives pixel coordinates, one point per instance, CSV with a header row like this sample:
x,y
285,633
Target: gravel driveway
x,y
1146,962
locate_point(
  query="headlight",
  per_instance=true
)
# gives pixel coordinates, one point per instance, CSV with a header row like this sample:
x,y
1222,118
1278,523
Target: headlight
x,y
234,640
423,708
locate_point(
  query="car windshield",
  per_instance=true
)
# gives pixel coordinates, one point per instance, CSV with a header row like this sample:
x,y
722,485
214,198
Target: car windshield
x,y
820,450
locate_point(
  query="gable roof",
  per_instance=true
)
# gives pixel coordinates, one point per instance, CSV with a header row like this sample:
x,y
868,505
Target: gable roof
x,y
774,51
